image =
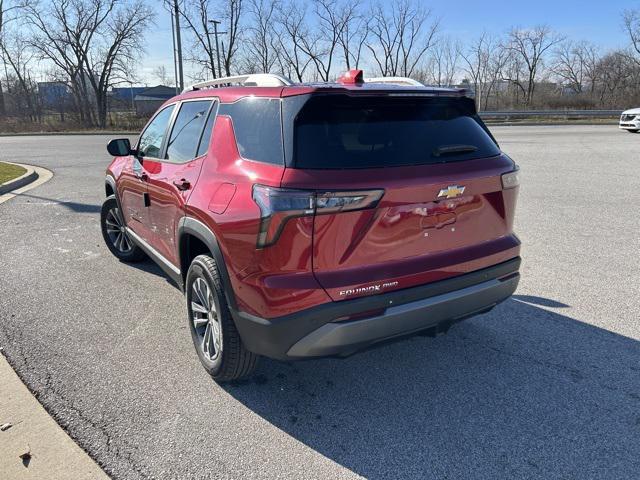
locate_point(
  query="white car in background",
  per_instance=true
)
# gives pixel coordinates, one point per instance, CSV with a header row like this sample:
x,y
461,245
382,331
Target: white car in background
x,y
630,120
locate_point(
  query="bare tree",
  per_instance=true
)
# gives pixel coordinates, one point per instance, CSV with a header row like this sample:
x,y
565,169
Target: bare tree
x,y
574,64
92,41
512,73
261,41
231,15
631,23
476,59
61,33
164,77
7,14
119,44
291,27
442,64
321,44
498,59
400,36
199,16
484,61
589,57
3,9
618,78
19,58
354,35
531,47
196,14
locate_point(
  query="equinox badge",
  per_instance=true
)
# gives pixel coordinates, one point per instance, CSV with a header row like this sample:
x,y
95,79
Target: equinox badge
x,y
451,191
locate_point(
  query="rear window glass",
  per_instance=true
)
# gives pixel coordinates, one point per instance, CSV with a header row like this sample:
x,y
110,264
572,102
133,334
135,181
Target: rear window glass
x,y
338,131
185,135
256,124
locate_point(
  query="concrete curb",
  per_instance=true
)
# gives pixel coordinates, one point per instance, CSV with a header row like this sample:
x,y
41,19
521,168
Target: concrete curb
x,y
42,175
33,445
26,178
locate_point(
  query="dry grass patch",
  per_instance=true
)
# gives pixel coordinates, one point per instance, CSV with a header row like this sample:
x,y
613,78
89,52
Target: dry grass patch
x,y
9,172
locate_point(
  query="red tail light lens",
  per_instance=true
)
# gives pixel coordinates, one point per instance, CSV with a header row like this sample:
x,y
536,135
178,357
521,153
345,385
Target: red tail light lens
x,y
278,205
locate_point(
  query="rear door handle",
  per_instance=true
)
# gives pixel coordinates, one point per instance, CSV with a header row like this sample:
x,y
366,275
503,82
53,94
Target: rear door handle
x,y
182,184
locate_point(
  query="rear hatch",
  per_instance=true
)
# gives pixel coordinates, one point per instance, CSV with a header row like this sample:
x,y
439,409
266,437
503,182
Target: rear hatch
x,y
409,190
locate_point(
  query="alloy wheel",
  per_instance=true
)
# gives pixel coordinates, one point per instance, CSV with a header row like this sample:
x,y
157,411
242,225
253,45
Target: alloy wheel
x,y
116,231
206,322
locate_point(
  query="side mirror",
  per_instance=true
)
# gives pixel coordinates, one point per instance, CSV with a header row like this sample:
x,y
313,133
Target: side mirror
x,y
119,147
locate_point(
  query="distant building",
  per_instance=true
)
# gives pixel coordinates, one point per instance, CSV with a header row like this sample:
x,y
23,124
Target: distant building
x,y
123,97
148,101
54,95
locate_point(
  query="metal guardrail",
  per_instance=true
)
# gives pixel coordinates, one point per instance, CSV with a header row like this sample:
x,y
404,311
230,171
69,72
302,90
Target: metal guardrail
x,y
551,113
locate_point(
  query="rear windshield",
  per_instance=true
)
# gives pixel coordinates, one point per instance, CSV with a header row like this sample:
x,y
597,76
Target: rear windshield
x,y
339,131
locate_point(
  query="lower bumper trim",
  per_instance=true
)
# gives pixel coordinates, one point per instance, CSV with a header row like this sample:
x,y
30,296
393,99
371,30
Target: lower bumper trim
x,y
336,338
318,331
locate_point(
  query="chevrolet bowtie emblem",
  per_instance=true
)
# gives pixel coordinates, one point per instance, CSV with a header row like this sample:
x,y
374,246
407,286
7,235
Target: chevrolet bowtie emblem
x,y
451,191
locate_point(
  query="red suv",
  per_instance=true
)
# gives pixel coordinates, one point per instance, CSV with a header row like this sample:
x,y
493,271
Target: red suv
x,y
309,220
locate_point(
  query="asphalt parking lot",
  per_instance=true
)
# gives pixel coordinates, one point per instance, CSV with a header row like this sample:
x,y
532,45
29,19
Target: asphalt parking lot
x,y
547,385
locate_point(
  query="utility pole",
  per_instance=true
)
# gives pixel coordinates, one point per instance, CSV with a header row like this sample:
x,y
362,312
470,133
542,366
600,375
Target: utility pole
x,y
175,62
178,45
216,33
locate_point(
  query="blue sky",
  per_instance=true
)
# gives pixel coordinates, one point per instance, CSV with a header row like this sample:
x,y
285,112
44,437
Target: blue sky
x,y
595,20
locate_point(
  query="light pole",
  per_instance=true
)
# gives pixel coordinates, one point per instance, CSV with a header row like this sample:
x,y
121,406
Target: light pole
x,y
178,42
216,33
175,60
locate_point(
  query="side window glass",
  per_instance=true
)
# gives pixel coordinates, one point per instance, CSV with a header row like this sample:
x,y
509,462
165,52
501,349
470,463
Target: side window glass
x,y
185,135
206,134
256,124
151,139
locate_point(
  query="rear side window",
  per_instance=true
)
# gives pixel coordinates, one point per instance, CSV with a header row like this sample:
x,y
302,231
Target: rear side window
x,y
186,131
151,139
206,134
338,131
256,124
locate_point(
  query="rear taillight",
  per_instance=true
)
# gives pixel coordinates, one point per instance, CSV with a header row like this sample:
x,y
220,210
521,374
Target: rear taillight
x,y
278,205
511,179
334,202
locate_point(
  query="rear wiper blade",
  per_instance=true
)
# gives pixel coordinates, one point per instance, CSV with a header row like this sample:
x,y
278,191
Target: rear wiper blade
x,y
450,149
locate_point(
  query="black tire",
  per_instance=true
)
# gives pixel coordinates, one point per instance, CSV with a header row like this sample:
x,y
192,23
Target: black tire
x,y
632,131
224,357
117,242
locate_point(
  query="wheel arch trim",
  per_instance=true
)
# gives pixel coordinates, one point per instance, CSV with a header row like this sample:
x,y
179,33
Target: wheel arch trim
x,y
111,182
191,226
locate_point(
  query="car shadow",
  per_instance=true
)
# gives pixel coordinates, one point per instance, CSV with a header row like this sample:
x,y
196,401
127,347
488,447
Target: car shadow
x,y
519,392
541,301
73,206
149,266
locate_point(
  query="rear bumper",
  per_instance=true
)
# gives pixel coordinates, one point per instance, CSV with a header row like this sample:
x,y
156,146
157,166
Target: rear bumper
x,y
315,333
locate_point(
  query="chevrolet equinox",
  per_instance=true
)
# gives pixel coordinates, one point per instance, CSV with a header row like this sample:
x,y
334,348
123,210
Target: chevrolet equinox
x,y
311,220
